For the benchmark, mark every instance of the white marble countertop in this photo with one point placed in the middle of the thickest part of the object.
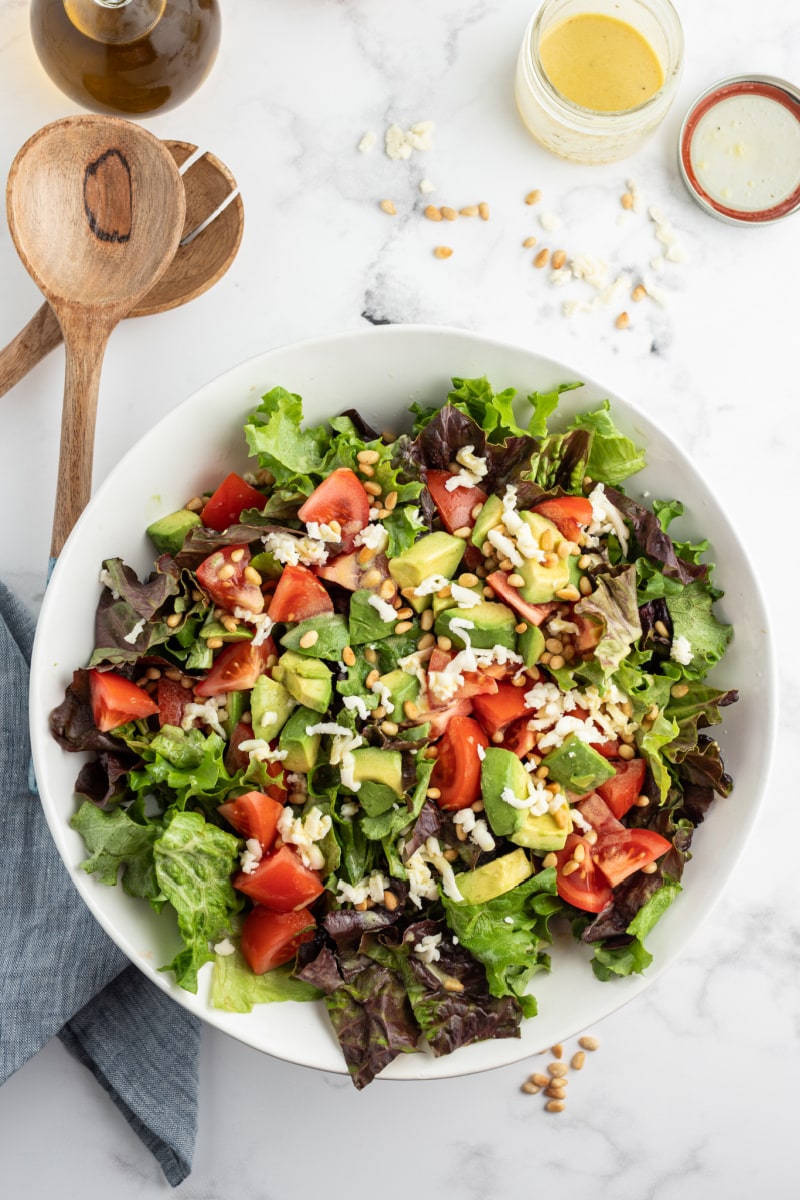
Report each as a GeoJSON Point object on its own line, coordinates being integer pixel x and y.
{"type": "Point", "coordinates": [690, 1092]}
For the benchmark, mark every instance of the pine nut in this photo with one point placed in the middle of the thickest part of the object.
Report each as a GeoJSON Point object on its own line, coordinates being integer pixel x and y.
{"type": "Point", "coordinates": [426, 641]}
{"type": "Point", "coordinates": [370, 457]}
{"type": "Point", "coordinates": [453, 985]}
{"type": "Point", "coordinates": [463, 531]}
{"type": "Point", "coordinates": [622, 321]}
{"type": "Point", "coordinates": [411, 710]}
{"type": "Point", "coordinates": [226, 572]}
{"type": "Point", "coordinates": [195, 504]}
{"type": "Point", "coordinates": [539, 1079]}
{"type": "Point", "coordinates": [541, 258]}
{"type": "Point", "coordinates": [214, 643]}
{"type": "Point", "coordinates": [403, 626]}
{"type": "Point", "coordinates": [557, 1051]}
{"type": "Point", "coordinates": [238, 554]}
{"type": "Point", "coordinates": [533, 197]}
{"type": "Point", "coordinates": [427, 618]}
{"type": "Point", "coordinates": [579, 854]}
{"type": "Point", "coordinates": [626, 200]}
{"type": "Point", "coordinates": [432, 213]}
{"type": "Point", "coordinates": [591, 836]}
{"type": "Point", "coordinates": [638, 293]}
{"type": "Point", "coordinates": [661, 629]}
{"type": "Point", "coordinates": [444, 642]}
{"type": "Point", "coordinates": [467, 579]}
{"type": "Point", "coordinates": [483, 210]}
{"type": "Point", "coordinates": [522, 627]}
{"type": "Point", "coordinates": [390, 728]}
{"type": "Point", "coordinates": [549, 860]}
{"type": "Point", "coordinates": [626, 751]}
{"type": "Point", "coordinates": [388, 206]}
{"type": "Point", "coordinates": [577, 1060]}
{"type": "Point", "coordinates": [404, 613]}
{"type": "Point", "coordinates": [173, 620]}
{"type": "Point", "coordinates": [529, 243]}
{"type": "Point", "coordinates": [448, 213]}
{"type": "Point", "coordinates": [555, 1106]}
{"type": "Point", "coordinates": [372, 578]}
{"type": "Point", "coordinates": [372, 678]}
{"type": "Point", "coordinates": [649, 868]}
{"type": "Point", "coordinates": [152, 673]}
{"type": "Point", "coordinates": [678, 690]}
{"type": "Point", "coordinates": [558, 259]}
{"type": "Point", "coordinates": [570, 867]}
{"type": "Point", "coordinates": [642, 801]}
{"type": "Point", "coordinates": [372, 489]}
{"type": "Point", "coordinates": [531, 1088]}
{"type": "Point", "coordinates": [588, 1042]}
{"type": "Point", "coordinates": [557, 1069]}
{"type": "Point", "coordinates": [349, 656]}
{"type": "Point", "coordinates": [585, 586]}
{"type": "Point", "coordinates": [516, 581]}
{"type": "Point", "coordinates": [388, 589]}
{"type": "Point", "coordinates": [309, 639]}
{"type": "Point", "coordinates": [557, 662]}
{"type": "Point", "coordinates": [366, 470]}
{"type": "Point", "coordinates": [469, 210]}
{"type": "Point", "coordinates": [443, 252]}
{"type": "Point", "coordinates": [173, 673]}
{"type": "Point", "coordinates": [252, 576]}
{"type": "Point", "coordinates": [568, 593]}
{"type": "Point", "coordinates": [390, 901]}
{"type": "Point", "coordinates": [390, 501]}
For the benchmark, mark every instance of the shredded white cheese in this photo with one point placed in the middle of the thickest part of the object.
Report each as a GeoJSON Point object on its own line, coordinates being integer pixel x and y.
{"type": "Point", "coordinates": [107, 581]}
{"type": "Point", "coordinates": [371, 887]}
{"type": "Point", "coordinates": [251, 856]}
{"type": "Point", "coordinates": [304, 833]}
{"type": "Point", "coordinates": [428, 948]}
{"type": "Point", "coordinates": [260, 750]}
{"type": "Point", "coordinates": [224, 947]}
{"type": "Point", "coordinates": [382, 608]}
{"type": "Point", "coordinates": [681, 651]}
{"type": "Point", "coordinates": [374, 537]}
{"type": "Point", "coordinates": [133, 634]}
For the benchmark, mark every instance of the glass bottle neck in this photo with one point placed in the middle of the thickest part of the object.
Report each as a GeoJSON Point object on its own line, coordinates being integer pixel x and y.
{"type": "Point", "coordinates": [114, 21]}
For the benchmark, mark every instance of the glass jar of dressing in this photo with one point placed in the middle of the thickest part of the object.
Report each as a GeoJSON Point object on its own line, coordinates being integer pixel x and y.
{"type": "Point", "coordinates": [126, 56]}
{"type": "Point", "coordinates": [596, 77]}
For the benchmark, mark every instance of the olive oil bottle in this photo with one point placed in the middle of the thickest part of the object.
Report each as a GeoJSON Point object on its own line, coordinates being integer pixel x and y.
{"type": "Point", "coordinates": [126, 56]}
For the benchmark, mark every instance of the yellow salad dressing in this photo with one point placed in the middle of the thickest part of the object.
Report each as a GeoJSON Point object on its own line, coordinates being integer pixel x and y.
{"type": "Point", "coordinates": [600, 63]}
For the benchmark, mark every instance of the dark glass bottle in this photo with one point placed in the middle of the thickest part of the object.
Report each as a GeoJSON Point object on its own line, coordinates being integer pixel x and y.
{"type": "Point", "coordinates": [126, 56]}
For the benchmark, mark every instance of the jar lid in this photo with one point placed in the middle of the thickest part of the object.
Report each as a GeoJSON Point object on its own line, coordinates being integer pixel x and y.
{"type": "Point", "coordinates": [739, 149]}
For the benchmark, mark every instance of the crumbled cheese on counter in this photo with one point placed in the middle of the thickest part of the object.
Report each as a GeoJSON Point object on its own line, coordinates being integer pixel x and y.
{"type": "Point", "coordinates": [261, 751]}
{"type": "Point", "coordinates": [304, 833]}
{"type": "Point", "coordinates": [428, 948]}
{"type": "Point", "coordinates": [426, 187]}
{"type": "Point", "coordinates": [106, 580]}
{"type": "Point", "coordinates": [358, 703]}
{"type": "Point", "coordinates": [399, 143]}
{"type": "Point", "coordinates": [382, 607]}
{"type": "Point", "coordinates": [367, 142]}
{"type": "Point", "coordinates": [550, 221]}
{"type": "Point", "coordinates": [374, 537]}
{"type": "Point", "coordinates": [224, 947]}
{"type": "Point", "coordinates": [133, 634]}
{"type": "Point", "coordinates": [371, 887]}
{"type": "Point", "coordinates": [681, 651]}
{"type": "Point", "coordinates": [209, 713]}
{"type": "Point", "coordinates": [251, 856]}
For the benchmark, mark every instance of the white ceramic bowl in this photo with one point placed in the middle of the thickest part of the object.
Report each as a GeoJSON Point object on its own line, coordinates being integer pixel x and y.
{"type": "Point", "coordinates": [379, 372]}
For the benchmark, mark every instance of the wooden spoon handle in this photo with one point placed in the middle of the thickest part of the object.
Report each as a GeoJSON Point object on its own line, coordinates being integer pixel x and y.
{"type": "Point", "coordinates": [81, 389]}
{"type": "Point", "coordinates": [33, 343]}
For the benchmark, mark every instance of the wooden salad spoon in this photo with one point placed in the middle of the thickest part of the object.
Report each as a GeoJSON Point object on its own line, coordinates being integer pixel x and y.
{"type": "Point", "coordinates": [95, 206]}
{"type": "Point", "coordinates": [210, 240]}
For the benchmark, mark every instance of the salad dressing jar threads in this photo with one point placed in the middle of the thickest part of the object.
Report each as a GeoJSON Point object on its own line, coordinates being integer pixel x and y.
{"type": "Point", "coordinates": [596, 77]}
{"type": "Point", "coordinates": [126, 56]}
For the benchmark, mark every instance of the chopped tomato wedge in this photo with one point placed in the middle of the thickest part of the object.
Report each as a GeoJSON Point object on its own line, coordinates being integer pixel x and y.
{"type": "Point", "coordinates": [568, 513]}
{"type": "Point", "coordinates": [454, 507]}
{"type": "Point", "coordinates": [440, 718]}
{"type": "Point", "coordinates": [228, 502]}
{"type": "Point", "coordinates": [340, 497]}
{"type": "Point", "coordinates": [621, 792]}
{"type": "Point", "coordinates": [497, 711]}
{"type": "Point", "coordinates": [236, 668]}
{"type": "Point", "coordinates": [534, 614]}
{"type": "Point", "coordinates": [594, 809]}
{"type": "Point", "coordinates": [457, 770]}
{"type": "Point", "coordinates": [518, 738]}
{"type": "Point", "coordinates": [585, 886]}
{"type": "Point", "coordinates": [475, 682]}
{"type": "Point", "coordinates": [222, 575]}
{"type": "Point", "coordinates": [618, 855]}
{"type": "Point", "coordinates": [589, 632]}
{"type": "Point", "coordinates": [253, 815]}
{"type": "Point", "coordinates": [349, 573]}
{"type": "Point", "coordinates": [115, 700]}
{"type": "Point", "coordinates": [172, 700]}
{"type": "Point", "coordinates": [298, 595]}
{"type": "Point", "coordinates": [270, 939]}
{"type": "Point", "coordinates": [281, 882]}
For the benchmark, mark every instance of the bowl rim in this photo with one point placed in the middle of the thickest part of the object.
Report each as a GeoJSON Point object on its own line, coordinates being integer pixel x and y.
{"type": "Point", "coordinates": [468, 1060]}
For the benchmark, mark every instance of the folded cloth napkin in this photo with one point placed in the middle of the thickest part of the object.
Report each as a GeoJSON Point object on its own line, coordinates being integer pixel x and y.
{"type": "Point", "coordinates": [60, 973]}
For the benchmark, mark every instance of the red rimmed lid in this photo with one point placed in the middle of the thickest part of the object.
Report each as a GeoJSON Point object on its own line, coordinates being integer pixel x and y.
{"type": "Point", "coordinates": [739, 149]}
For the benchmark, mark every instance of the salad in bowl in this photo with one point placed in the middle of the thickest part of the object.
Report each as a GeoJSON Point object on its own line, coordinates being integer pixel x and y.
{"type": "Point", "coordinates": [395, 722]}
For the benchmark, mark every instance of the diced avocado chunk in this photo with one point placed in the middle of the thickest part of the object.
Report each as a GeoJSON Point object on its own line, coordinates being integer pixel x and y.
{"type": "Point", "coordinates": [308, 680]}
{"type": "Point", "coordinates": [332, 637]}
{"type": "Point", "coordinates": [542, 831]}
{"type": "Point", "coordinates": [379, 766]}
{"type": "Point", "coordinates": [494, 878]}
{"type": "Point", "coordinates": [501, 769]}
{"type": "Point", "coordinates": [216, 629]}
{"type": "Point", "coordinates": [270, 705]}
{"type": "Point", "coordinates": [492, 624]}
{"type": "Point", "coordinates": [401, 687]}
{"type": "Point", "coordinates": [530, 645]}
{"type": "Point", "coordinates": [302, 749]}
{"type": "Point", "coordinates": [576, 766]}
{"type": "Point", "coordinates": [543, 579]}
{"type": "Point", "coordinates": [167, 533]}
{"type": "Point", "coordinates": [435, 554]}
{"type": "Point", "coordinates": [365, 623]}
{"type": "Point", "coordinates": [235, 705]}
{"type": "Point", "coordinates": [490, 516]}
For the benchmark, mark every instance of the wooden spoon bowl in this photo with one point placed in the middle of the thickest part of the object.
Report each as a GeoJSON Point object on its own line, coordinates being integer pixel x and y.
{"type": "Point", "coordinates": [95, 207]}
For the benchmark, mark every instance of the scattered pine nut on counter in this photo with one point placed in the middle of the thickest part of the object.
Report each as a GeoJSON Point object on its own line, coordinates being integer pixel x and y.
{"type": "Point", "coordinates": [554, 1081]}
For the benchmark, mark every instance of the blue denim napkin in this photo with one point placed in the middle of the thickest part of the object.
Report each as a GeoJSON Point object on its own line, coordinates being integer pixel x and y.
{"type": "Point", "coordinates": [60, 973]}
